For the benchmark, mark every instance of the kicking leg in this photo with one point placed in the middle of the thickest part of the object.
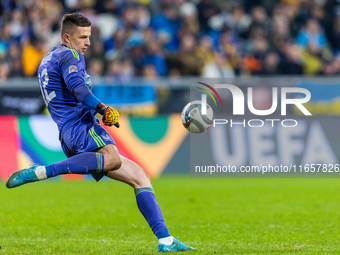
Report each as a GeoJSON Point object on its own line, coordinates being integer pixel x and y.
{"type": "Point", "coordinates": [94, 163]}
{"type": "Point", "coordinates": [84, 163]}
{"type": "Point", "coordinates": [133, 175]}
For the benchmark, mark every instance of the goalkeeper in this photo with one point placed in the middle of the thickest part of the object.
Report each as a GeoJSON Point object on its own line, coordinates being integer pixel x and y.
{"type": "Point", "coordinates": [66, 89]}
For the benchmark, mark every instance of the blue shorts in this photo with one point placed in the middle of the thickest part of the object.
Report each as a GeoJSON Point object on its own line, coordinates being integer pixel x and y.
{"type": "Point", "coordinates": [85, 137]}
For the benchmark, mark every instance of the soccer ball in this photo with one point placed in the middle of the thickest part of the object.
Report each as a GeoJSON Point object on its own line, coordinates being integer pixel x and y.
{"type": "Point", "coordinates": [193, 120]}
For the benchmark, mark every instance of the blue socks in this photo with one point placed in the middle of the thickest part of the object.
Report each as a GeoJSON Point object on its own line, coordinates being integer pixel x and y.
{"type": "Point", "coordinates": [151, 211]}
{"type": "Point", "coordinates": [84, 163]}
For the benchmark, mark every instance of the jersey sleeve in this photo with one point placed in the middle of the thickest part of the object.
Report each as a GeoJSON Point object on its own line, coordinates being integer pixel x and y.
{"type": "Point", "coordinates": [73, 72]}
{"type": "Point", "coordinates": [73, 69]}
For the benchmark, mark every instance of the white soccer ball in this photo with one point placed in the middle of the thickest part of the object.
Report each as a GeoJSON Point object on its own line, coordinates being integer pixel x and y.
{"type": "Point", "coordinates": [193, 119]}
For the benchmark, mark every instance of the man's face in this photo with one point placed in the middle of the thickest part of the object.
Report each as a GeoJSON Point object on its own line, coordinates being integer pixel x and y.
{"type": "Point", "coordinates": [80, 39]}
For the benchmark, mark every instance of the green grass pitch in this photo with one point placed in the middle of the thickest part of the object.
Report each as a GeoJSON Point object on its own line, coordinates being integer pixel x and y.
{"type": "Point", "coordinates": [216, 216]}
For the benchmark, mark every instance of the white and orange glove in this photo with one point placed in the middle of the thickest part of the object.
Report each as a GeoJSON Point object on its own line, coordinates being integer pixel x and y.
{"type": "Point", "coordinates": [110, 115]}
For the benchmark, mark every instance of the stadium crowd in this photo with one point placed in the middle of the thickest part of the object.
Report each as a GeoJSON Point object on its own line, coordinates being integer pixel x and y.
{"type": "Point", "coordinates": [207, 38]}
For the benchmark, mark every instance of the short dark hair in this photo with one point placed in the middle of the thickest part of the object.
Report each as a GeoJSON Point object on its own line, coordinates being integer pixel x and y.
{"type": "Point", "coordinates": [72, 20]}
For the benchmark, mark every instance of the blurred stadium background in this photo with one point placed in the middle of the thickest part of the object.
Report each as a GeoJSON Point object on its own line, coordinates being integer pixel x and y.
{"type": "Point", "coordinates": [142, 56]}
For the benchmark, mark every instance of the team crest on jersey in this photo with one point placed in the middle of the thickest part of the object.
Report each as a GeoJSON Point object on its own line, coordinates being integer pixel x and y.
{"type": "Point", "coordinates": [106, 137]}
{"type": "Point", "coordinates": [72, 69]}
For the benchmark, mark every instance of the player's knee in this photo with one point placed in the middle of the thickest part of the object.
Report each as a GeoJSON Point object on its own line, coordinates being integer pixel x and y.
{"type": "Point", "coordinates": [117, 164]}
{"type": "Point", "coordinates": [141, 179]}
{"type": "Point", "coordinates": [112, 163]}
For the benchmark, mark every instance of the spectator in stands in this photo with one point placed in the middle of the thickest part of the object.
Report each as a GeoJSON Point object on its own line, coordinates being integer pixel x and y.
{"type": "Point", "coordinates": [205, 49]}
{"type": "Point", "coordinates": [313, 58]}
{"type": "Point", "coordinates": [96, 68]}
{"type": "Point", "coordinates": [318, 13]}
{"type": "Point", "coordinates": [137, 55]}
{"type": "Point", "coordinates": [230, 45]}
{"type": "Point", "coordinates": [129, 19]}
{"type": "Point", "coordinates": [115, 46]}
{"type": "Point", "coordinates": [240, 21]}
{"type": "Point", "coordinates": [248, 34]}
{"type": "Point", "coordinates": [96, 50]}
{"type": "Point", "coordinates": [33, 53]}
{"type": "Point", "coordinates": [206, 10]}
{"type": "Point", "coordinates": [16, 68]}
{"type": "Point", "coordinates": [271, 64]}
{"type": "Point", "coordinates": [126, 71]}
{"type": "Point", "coordinates": [260, 20]}
{"type": "Point", "coordinates": [46, 33]}
{"type": "Point", "coordinates": [149, 35]}
{"type": "Point", "coordinates": [150, 72]}
{"type": "Point", "coordinates": [144, 17]}
{"type": "Point", "coordinates": [17, 24]}
{"type": "Point", "coordinates": [14, 51]}
{"type": "Point", "coordinates": [155, 57]}
{"type": "Point", "coordinates": [258, 47]}
{"type": "Point", "coordinates": [312, 34]}
{"type": "Point", "coordinates": [5, 39]}
{"type": "Point", "coordinates": [190, 23]}
{"type": "Point", "coordinates": [219, 68]}
{"type": "Point", "coordinates": [166, 24]}
{"type": "Point", "coordinates": [187, 62]}
{"type": "Point", "coordinates": [292, 65]}
{"type": "Point", "coordinates": [113, 69]}
{"type": "Point", "coordinates": [174, 73]}
{"type": "Point", "coordinates": [335, 38]}
{"type": "Point", "coordinates": [280, 30]}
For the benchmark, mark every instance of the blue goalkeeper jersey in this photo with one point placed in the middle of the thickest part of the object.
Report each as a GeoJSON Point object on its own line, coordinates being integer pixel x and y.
{"type": "Point", "coordinates": [57, 74]}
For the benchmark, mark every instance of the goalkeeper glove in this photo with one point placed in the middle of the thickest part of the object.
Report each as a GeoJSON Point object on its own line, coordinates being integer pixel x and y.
{"type": "Point", "coordinates": [110, 115]}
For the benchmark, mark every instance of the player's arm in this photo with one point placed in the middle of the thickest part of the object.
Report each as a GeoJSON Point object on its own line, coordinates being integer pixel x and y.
{"type": "Point", "coordinates": [71, 69]}
{"type": "Point", "coordinates": [83, 94]}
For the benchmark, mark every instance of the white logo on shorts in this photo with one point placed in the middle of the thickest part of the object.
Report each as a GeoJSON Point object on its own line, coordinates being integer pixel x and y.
{"type": "Point", "coordinates": [106, 137]}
